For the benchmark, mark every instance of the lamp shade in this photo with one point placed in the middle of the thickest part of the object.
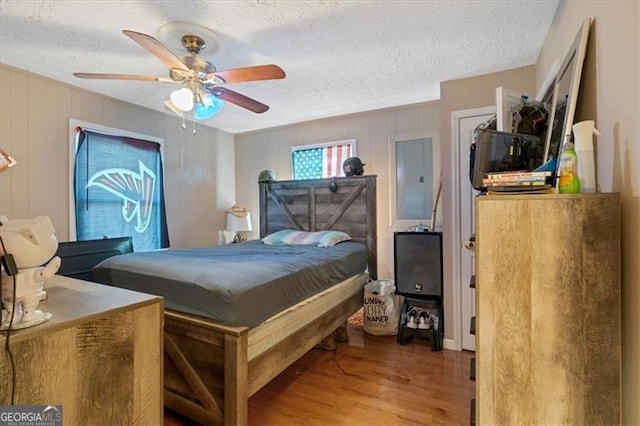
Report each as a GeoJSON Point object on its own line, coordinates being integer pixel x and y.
{"type": "Point", "coordinates": [209, 107]}
{"type": "Point", "coordinates": [182, 99]}
{"type": "Point", "coordinates": [236, 222]}
{"type": "Point", "coordinates": [173, 108]}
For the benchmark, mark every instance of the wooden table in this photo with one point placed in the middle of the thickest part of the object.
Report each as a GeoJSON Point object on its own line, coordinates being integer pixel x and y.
{"type": "Point", "coordinates": [100, 356]}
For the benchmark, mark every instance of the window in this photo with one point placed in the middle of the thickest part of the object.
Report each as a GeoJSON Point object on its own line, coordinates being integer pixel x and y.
{"type": "Point", "coordinates": [320, 161]}
{"type": "Point", "coordinates": [118, 189]}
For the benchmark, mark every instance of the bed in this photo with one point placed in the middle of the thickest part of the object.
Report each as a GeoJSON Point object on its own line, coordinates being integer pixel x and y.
{"type": "Point", "coordinates": [213, 364]}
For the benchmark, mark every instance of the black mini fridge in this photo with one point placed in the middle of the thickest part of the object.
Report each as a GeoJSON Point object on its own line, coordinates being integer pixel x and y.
{"type": "Point", "coordinates": [419, 278]}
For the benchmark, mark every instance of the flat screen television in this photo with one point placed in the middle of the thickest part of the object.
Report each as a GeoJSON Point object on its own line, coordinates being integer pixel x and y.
{"type": "Point", "coordinates": [504, 152]}
{"type": "Point", "coordinates": [79, 257]}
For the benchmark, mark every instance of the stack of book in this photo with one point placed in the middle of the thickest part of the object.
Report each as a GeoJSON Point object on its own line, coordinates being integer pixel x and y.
{"type": "Point", "coordinates": [518, 181]}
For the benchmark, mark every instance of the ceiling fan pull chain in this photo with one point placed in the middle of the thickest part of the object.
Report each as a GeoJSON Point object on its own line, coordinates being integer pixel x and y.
{"type": "Point", "coordinates": [194, 121]}
{"type": "Point", "coordinates": [184, 124]}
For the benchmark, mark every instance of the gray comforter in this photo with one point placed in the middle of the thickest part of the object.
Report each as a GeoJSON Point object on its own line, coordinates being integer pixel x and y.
{"type": "Point", "coordinates": [239, 284]}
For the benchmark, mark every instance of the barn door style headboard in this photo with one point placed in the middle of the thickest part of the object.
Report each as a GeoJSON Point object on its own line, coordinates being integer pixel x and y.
{"type": "Point", "coordinates": [345, 204]}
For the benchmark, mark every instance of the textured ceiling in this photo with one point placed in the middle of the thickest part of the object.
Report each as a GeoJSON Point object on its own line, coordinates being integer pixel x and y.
{"type": "Point", "coordinates": [340, 57]}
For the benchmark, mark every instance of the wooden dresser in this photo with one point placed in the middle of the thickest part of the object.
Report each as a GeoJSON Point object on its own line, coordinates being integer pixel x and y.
{"type": "Point", "coordinates": [548, 330]}
{"type": "Point", "coordinates": [100, 356]}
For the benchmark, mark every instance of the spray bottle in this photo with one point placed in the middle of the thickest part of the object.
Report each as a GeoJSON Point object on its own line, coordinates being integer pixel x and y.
{"type": "Point", "coordinates": [583, 133]}
{"type": "Point", "coordinates": [569, 182]}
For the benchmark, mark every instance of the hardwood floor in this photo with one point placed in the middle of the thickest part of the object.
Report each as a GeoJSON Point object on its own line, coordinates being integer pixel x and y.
{"type": "Point", "coordinates": [370, 380]}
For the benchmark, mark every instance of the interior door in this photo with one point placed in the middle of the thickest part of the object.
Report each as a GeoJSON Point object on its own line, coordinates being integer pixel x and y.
{"type": "Point", "coordinates": [466, 125]}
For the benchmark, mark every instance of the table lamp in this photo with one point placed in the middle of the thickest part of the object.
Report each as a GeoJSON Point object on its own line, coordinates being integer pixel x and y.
{"type": "Point", "coordinates": [238, 221]}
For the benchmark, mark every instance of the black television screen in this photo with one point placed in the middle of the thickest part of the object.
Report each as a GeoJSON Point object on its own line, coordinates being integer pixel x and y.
{"type": "Point", "coordinates": [503, 152]}
{"type": "Point", "coordinates": [79, 257]}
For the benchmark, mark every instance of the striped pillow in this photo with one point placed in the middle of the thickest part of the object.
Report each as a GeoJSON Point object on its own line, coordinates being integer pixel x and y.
{"type": "Point", "coordinates": [293, 237]}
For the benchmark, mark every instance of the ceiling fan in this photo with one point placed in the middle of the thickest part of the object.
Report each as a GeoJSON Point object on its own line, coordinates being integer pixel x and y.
{"type": "Point", "coordinates": [202, 83]}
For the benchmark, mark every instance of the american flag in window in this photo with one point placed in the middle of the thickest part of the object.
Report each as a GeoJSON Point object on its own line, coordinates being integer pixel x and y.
{"type": "Point", "coordinates": [321, 161]}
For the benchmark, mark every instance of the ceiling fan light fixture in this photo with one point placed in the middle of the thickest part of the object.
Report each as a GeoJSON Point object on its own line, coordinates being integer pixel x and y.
{"type": "Point", "coordinates": [173, 108]}
{"type": "Point", "coordinates": [201, 91]}
{"type": "Point", "coordinates": [209, 107]}
{"type": "Point", "coordinates": [182, 99]}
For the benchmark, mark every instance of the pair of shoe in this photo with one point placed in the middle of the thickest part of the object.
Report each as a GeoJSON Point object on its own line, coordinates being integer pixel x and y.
{"type": "Point", "coordinates": [412, 322]}
{"type": "Point", "coordinates": [412, 317]}
{"type": "Point", "coordinates": [420, 319]}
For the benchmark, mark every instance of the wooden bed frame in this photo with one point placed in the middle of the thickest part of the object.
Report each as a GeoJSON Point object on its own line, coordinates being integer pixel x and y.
{"type": "Point", "coordinates": [211, 369]}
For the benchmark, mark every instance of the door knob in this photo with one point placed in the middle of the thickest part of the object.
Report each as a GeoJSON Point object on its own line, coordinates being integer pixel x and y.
{"type": "Point", "coordinates": [470, 244]}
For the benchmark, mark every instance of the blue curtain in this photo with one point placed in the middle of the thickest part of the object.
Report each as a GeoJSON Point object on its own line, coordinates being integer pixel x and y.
{"type": "Point", "coordinates": [118, 190]}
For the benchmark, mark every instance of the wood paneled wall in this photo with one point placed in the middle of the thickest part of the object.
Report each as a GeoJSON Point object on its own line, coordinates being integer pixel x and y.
{"type": "Point", "coordinates": [271, 149]}
{"type": "Point", "coordinates": [34, 129]}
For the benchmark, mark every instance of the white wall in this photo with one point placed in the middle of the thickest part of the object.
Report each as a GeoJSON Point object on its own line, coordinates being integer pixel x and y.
{"type": "Point", "coordinates": [271, 149]}
{"type": "Point", "coordinates": [611, 92]}
{"type": "Point", "coordinates": [34, 129]}
{"type": "Point", "coordinates": [458, 95]}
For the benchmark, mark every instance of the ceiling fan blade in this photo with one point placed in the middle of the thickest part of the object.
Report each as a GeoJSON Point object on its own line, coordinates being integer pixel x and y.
{"type": "Point", "coordinates": [136, 77]}
{"type": "Point", "coordinates": [157, 49]}
{"type": "Point", "coordinates": [238, 99]}
{"type": "Point", "coordinates": [260, 72]}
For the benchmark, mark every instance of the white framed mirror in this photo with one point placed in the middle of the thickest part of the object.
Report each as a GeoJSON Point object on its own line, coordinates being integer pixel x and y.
{"type": "Point", "coordinates": [563, 94]}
